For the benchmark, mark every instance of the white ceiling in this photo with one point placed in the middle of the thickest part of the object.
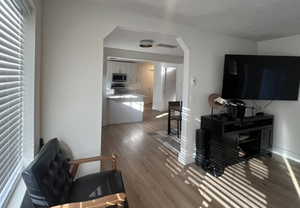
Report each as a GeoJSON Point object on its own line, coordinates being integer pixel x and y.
{"type": "Point", "coordinates": [129, 40]}
{"type": "Point", "coordinates": [252, 19]}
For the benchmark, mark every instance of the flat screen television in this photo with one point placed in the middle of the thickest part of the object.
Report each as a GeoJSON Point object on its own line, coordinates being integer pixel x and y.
{"type": "Point", "coordinates": [261, 77]}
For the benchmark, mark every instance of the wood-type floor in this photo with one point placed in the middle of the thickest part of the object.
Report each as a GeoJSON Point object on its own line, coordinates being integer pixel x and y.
{"type": "Point", "coordinates": [154, 179]}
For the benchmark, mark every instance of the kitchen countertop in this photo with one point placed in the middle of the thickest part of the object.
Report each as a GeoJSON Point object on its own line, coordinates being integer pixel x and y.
{"type": "Point", "coordinates": [125, 108]}
{"type": "Point", "coordinates": [118, 96]}
{"type": "Point", "coordinates": [130, 97]}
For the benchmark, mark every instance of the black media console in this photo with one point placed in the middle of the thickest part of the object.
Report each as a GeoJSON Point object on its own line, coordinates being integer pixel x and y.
{"type": "Point", "coordinates": [222, 141]}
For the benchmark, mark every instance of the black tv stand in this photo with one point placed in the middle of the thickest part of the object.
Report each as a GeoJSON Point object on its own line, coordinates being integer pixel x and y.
{"type": "Point", "coordinates": [223, 141]}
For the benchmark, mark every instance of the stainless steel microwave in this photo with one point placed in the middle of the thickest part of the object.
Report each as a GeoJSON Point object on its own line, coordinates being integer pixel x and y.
{"type": "Point", "coordinates": [119, 77]}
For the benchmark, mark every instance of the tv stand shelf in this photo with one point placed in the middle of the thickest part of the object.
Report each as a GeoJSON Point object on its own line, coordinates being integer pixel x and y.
{"type": "Point", "coordinates": [222, 141]}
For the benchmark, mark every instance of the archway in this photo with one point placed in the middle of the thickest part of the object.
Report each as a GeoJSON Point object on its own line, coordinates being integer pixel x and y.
{"type": "Point", "coordinates": [186, 150]}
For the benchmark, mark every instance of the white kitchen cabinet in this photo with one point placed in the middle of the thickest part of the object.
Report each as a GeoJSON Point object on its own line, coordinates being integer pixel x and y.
{"type": "Point", "coordinates": [132, 73]}
{"type": "Point", "coordinates": [122, 67]}
{"type": "Point", "coordinates": [125, 109]}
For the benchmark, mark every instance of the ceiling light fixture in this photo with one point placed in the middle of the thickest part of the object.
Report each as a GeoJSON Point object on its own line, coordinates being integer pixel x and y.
{"type": "Point", "coordinates": [146, 43]}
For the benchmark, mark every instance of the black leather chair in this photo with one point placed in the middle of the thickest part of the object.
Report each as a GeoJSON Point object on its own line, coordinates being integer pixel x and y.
{"type": "Point", "coordinates": [50, 181]}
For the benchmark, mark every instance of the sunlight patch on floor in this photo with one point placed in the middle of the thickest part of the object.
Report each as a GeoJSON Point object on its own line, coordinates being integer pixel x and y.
{"type": "Point", "coordinates": [292, 175]}
{"type": "Point", "coordinates": [233, 189]}
{"type": "Point", "coordinates": [162, 115]}
{"type": "Point", "coordinates": [137, 105]}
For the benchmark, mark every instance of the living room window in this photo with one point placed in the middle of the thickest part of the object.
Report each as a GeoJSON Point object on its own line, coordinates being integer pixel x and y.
{"type": "Point", "coordinates": [11, 94]}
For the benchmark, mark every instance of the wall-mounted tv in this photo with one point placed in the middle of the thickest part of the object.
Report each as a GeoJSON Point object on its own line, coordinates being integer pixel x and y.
{"type": "Point", "coordinates": [261, 77]}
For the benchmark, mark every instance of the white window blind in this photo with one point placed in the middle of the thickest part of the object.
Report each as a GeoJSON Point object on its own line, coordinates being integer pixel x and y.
{"type": "Point", "coordinates": [11, 96]}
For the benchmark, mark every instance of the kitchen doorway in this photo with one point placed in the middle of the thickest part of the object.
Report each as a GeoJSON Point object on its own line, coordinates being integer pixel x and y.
{"type": "Point", "coordinates": [153, 77]}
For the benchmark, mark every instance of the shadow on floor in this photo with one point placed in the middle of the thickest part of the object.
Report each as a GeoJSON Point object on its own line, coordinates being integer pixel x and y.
{"type": "Point", "coordinates": [258, 183]}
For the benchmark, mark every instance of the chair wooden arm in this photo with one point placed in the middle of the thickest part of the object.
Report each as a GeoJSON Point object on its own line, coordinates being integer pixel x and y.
{"type": "Point", "coordinates": [75, 163]}
{"type": "Point", "coordinates": [110, 200]}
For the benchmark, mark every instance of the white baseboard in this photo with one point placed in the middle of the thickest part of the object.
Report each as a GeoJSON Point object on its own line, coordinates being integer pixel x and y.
{"type": "Point", "coordinates": [185, 159]}
{"type": "Point", "coordinates": [286, 153]}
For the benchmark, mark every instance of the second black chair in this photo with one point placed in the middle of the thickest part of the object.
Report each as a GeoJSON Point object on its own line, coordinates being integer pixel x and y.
{"type": "Point", "coordinates": [175, 114]}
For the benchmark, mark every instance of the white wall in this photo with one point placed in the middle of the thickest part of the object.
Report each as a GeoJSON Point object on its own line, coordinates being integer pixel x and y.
{"type": "Point", "coordinates": [73, 63]}
{"type": "Point", "coordinates": [166, 85]}
{"type": "Point", "coordinates": [170, 77]}
{"type": "Point", "coordinates": [157, 88]}
{"type": "Point", "coordinates": [71, 77]}
{"type": "Point", "coordinates": [145, 78]}
{"type": "Point", "coordinates": [206, 69]}
{"type": "Point", "coordinates": [287, 113]}
{"type": "Point", "coordinates": [179, 81]}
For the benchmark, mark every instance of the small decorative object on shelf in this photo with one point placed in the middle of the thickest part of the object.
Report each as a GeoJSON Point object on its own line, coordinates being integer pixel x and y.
{"type": "Point", "coordinates": [216, 102]}
{"type": "Point", "coordinates": [235, 108]}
